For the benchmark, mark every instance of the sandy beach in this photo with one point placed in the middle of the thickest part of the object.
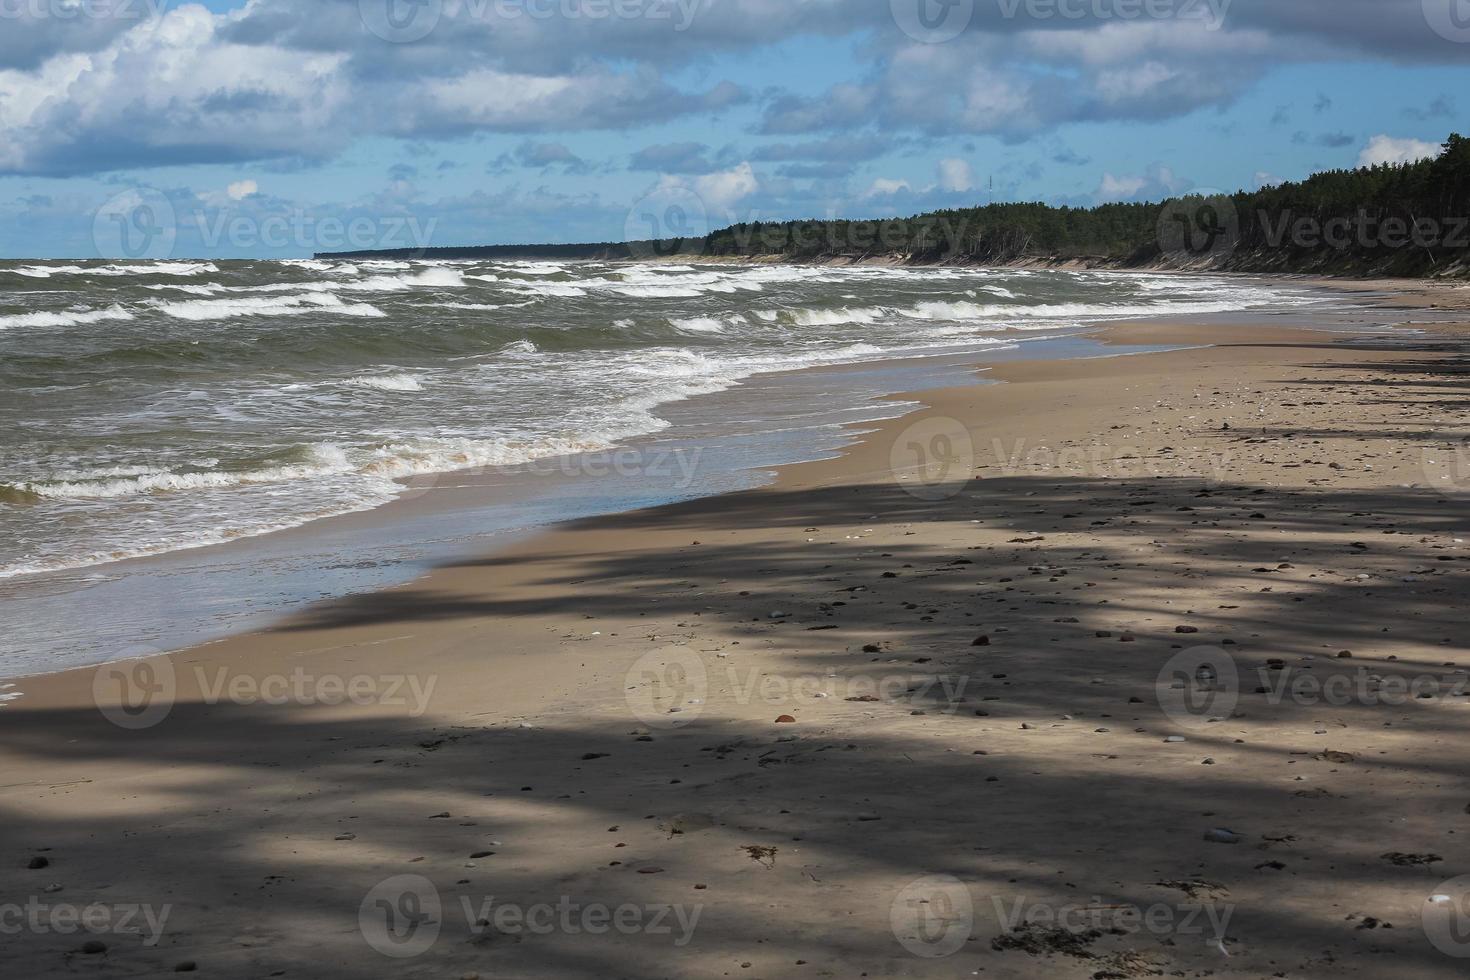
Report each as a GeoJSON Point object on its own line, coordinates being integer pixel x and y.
{"type": "Point", "coordinates": [1141, 666]}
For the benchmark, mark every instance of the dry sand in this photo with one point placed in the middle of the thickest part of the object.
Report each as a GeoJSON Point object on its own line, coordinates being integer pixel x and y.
{"type": "Point", "coordinates": [1270, 503]}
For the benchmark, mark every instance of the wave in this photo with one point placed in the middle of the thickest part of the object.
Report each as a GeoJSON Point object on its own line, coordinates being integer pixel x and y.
{"type": "Point", "coordinates": [827, 318]}
{"type": "Point", "coordinates": [698, 324]}
{"type": "Point", "coordinates": [69, 318]}
{"type": "Point", "coordinates": [389, 382]}
{"type": "Point", "coordinates": [324, 459]}
{"type": "Point", "coordinates": [224, 309]}
{"type": "Point", "coordinates": [151, 269]}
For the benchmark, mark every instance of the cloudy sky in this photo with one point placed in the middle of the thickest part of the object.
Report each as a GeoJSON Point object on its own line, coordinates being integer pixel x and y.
{"type": "Point", "coordinates": [282, 127]}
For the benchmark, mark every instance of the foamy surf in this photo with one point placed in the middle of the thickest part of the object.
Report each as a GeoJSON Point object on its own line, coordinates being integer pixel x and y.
{"type": "Point", "coordinates": [227, 400]}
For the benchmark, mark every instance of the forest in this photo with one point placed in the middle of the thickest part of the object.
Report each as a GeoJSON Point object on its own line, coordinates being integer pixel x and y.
{"type": "Point", "coordinates": [1409, 219]}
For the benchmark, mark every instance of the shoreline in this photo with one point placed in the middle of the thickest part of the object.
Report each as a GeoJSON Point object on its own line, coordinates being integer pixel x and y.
{"type": "Point", "coordinates": [256, 580]}
{"type": "Point", "coordinates": [1106, 498]}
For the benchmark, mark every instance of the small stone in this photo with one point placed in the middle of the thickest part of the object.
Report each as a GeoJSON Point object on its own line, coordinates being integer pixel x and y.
{"type": "Point", "coordinates": [94, 946]}
{"type": "Point", "coordinates": [1222, 836]}
{"type": "Point", "coordinates": [37, 863]}
{"type": "Point", "coordinates": [785, 720]}
{"type": "Point", "coordinates": [981, 641]}
{"type": "Point", "coordinates": [187, 966]}
{"type": "Point", "coordinates": [1186, 629]}
{"type": "Point", "coordinates": [1175, 739]}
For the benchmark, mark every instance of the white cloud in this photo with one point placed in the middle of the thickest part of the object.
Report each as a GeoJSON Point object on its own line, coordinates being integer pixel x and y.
{"type": "Point", "coordinates": [725, 189]}
{"type": "Point", "coordinates": [242, 189]}
{"type": "Point", "coordinates": [886, 187]}
{"type": "Point", "coordinates": [1386, 149]}
{"type": "Point", "coordinates": [956, 175]}
{"type": "Point", "coordinates": [1156, 184]}
{"type": "Point", "coordinates": [1114, 188]}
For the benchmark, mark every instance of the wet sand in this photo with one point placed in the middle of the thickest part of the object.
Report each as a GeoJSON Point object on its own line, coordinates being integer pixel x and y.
{"type": "Point", "coordinates": [898, 714]}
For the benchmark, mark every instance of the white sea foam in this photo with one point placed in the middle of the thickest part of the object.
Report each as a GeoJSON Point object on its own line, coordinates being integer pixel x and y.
{"type": "Point", "coordinates": [698, 324]}
{"type": "Point", "coordinates": [325, 459]}
{"type": "Point", "coordinates": [223, 309]}
{"type": "Point", "coordinates": [149, 269]}
{"type": "Point", "coordinates": [389, 382]}
{"type": "Point", "coordinates": [66, 318]}
{"type": "Point", "coordinates": [827, 318]}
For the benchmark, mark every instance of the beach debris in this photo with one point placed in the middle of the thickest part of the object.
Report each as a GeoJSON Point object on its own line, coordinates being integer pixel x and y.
{"type": "Point", "coordinates": [761, 854]}
{"type": "Point", "coordinates": [1402, 860]}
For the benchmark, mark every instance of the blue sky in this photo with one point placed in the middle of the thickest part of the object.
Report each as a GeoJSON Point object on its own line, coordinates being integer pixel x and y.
{"type": "Point", "coordinates": [278, 128]}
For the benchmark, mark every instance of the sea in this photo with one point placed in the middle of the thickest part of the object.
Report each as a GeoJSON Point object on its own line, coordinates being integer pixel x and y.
{"type": "Point", "coordinates": [176, 409]}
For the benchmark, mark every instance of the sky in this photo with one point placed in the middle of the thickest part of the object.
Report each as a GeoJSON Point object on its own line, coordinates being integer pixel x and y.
{"type": "Point", "coordinates": [279, 128]}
